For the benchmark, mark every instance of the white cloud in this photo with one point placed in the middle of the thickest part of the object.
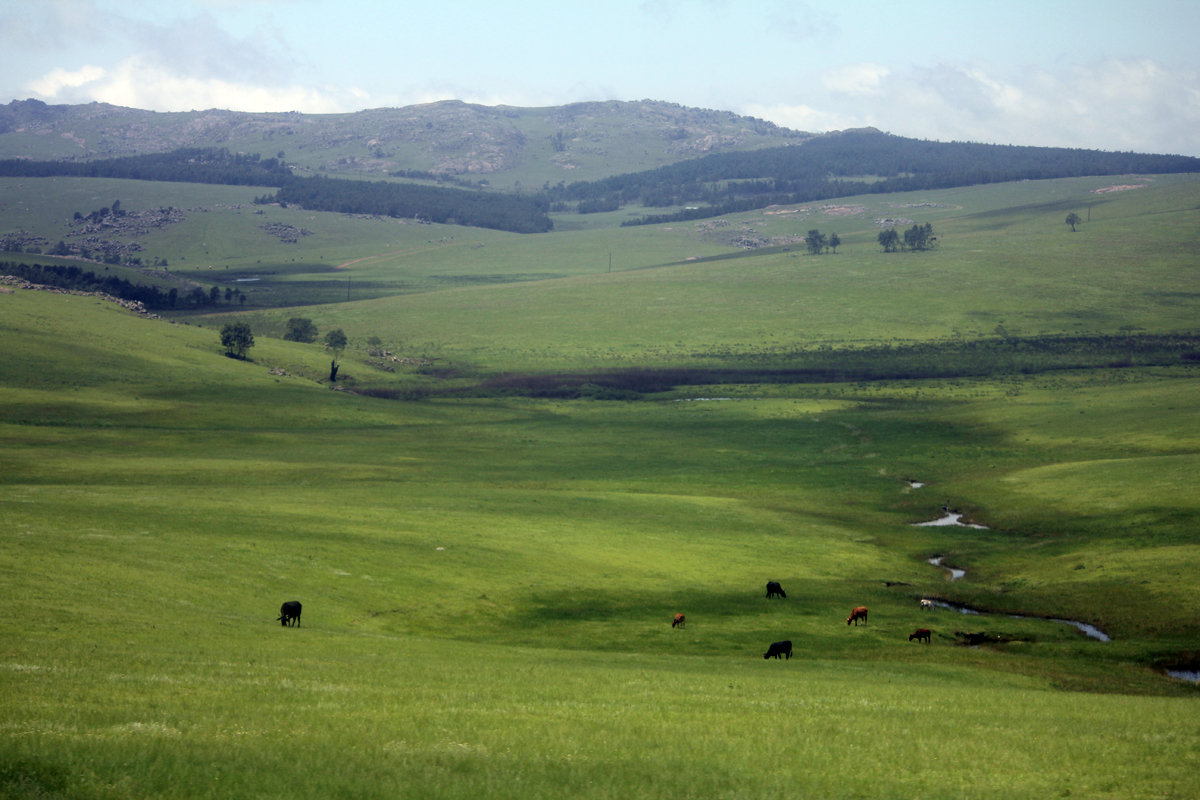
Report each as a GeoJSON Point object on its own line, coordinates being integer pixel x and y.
{"type": "Point", "coordinates": [1113, 104]}
{"type": "Point", "coordinates": [802, 117]}
{"type": "Point", "coordinates": [862, 78]}
{"type": "Point", "coordinates": [136, 84]}
{"type": "Point", "coordinates": [56, 80]}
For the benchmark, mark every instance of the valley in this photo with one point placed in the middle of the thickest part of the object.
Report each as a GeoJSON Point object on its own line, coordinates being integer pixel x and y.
{"type": "Point", "coordinates": [542, 447]}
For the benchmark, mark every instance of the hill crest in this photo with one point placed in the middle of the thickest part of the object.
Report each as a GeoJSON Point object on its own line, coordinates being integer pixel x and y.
{"type": "Point", "coordinates": [571, 142]}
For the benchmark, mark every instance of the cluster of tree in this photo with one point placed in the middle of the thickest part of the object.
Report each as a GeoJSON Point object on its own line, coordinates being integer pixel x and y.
{"type": "Point", "coordinates": [185, 165]}
{"type": "Point", "coordinates": [505, 212]}
{"type": "Point", "coordinates": [818, 243]}
{"type": "Point", "coordinates": [918, 237]}
{"type": "Point", "coordinates": [599, 204]}
{"type": "Point", "coordinates": [820, 168]}
{"type": "Point", "coordinates": [300, 329]}
{"type": "Point", "coordinates": [237, 338]}
{"type": "Point", "coordinates": [437, 177]}
{"type": "Point", "coordinates": [99, 214]}
{"type": "Point", "coordinates": [109, 256]}
{"type": "Point", "coordinates": [153, 297]}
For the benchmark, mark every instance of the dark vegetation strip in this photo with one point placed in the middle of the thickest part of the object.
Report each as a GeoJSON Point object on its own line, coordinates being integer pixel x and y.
{"type": "Point", "coordinates": [494, 210]}
{"type": "Point", "coordinates": [814, 171]}
{"type": "Point", "coordinates": [504, 212]}
{"type": "Point", "coordinates": [75, 278]}
{"type": "Point", "coordinates": [923, 361]}
{"type": "Point", "coordinates": [185, 165]}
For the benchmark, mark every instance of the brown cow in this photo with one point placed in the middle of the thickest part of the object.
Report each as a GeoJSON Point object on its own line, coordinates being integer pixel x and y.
{"type": "Point", "coordinates": [856, 615]}
{"type": "Point", "coordinates": [679, 620]}
{"type": "Point", "coordinates": [921, 635]}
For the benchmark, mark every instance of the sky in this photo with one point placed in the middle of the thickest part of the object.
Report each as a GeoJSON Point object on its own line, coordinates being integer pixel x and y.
{"type": "Point", "coordinates": [1097, 74]}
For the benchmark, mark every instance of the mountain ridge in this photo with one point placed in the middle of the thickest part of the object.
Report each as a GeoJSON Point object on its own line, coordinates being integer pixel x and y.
{"type": "Point", "coordinates": [584, 140]}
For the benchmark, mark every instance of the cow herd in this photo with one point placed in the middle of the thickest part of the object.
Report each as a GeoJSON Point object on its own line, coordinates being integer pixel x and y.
{"type": "Point", "coordinates": [289, 615]}
{"type": "Point", "coordinates": [859, 614]}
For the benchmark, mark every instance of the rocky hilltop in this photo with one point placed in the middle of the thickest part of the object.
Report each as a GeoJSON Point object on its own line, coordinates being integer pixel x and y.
{"type": "Point", "coordinates": [581, 141]}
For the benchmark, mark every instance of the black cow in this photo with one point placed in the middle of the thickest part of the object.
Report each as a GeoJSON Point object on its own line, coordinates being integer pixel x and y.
{"type": "Point", "coordinates": [779, 649]}
{"type": "Point", "coordinates": [290, 611]}
{"type": "Point", "coordinates": [774, 588]}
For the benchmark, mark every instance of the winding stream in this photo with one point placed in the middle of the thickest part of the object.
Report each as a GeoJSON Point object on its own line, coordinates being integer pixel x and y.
{"type": "Point", "coordinates": [1090, 630]}
{"type": "Point", "coordinates": [955, 574]}
{"type": "Point", "coordinates": [951, 518]}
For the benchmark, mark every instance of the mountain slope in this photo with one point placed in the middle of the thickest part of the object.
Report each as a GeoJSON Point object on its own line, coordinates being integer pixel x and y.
{"type": "Point", "coordinates": [504, 143]}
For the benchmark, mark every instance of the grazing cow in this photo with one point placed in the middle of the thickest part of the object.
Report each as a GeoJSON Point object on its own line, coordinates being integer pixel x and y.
{"type": "Point", "coordinates": [679, 620]}
{"type": "Point", "coordinates": [778, 649]}
{"type": "Point", "coordinates": [921, 635]}
{"type": "Point", "coordinates": [290, 611]}
{"type": "Point", "coordinates": [856, 615]}
{"type": "Point", "coordinates": [774, 588]}
{"type": "Point", "coordinates": [926, 605]}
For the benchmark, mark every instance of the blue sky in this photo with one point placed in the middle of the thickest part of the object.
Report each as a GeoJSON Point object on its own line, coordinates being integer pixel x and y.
{"type": "Point", "coordinates": [1096, 74]}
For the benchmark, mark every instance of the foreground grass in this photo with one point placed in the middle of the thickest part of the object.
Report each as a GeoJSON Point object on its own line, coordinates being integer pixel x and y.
{"type": "Point", "coordinates": [204, 706]}
{"type": "Point", "coordinates": [488, 583]}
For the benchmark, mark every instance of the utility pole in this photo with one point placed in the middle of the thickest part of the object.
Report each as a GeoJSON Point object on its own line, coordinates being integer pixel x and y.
{"type": "Point", "coordinates": [610, 262]}
{"type": "Point", "coordinates": [347, 288]}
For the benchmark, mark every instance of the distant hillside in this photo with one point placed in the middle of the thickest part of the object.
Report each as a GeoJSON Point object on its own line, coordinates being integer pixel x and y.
{"type": "Point", "coordinates": [504, 145]}
{"type": "Point", "coordinates": [846, 163]}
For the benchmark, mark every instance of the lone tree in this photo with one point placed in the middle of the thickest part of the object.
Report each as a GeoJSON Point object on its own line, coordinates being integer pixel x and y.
{"type": "Point", "coordinates": [335, 340]}
{"type": "Point", "coordinates": [236, 338]}
{"type": "Point", "coordinates": [834, 241]}
{"type": "Point", "coordinates": [815, 242]}
{"type": "Point", "coordinates": [1073, 220]}
{"type": "Point", "coordinates": [300, 329]}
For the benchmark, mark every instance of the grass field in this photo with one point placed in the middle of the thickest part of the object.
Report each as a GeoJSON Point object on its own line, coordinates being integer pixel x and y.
{"type": "Point", "coordinates": [488, 581]}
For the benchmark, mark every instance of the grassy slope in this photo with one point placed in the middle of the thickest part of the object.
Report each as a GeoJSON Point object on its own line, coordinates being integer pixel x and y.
{"type": "Point", "coordinates": [161, 500]}
{"type": "Point", "coordinates": [1020, 271]}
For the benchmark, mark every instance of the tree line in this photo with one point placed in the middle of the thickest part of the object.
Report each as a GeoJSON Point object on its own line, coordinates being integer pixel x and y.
{"type": "Point", "coordinates": [74, 278]}
{"type": "Point", "coordinates": [823, 168]}
{"type": "Point", "coordinates": [505, 212]}
{"type": "Point", "coordinates": [212, 165]}
{"type": "Point", "coordinates": [185, 165]}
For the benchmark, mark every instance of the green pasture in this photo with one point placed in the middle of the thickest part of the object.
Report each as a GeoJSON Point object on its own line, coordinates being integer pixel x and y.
{"type": "Point", "coordinates": [488, 582]}
{"type": "Point", "coordinates": [548, 302]}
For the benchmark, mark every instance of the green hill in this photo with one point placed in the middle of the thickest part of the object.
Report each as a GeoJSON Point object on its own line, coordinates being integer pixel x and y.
{"type": "Point", "coordinates": [489, 577]}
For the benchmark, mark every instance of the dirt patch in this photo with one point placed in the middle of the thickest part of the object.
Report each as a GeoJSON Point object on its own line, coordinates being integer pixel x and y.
{"type": "Point", "coordinates": [843, 211]}
{"type": "Point", "coordinates": [1122, 188]}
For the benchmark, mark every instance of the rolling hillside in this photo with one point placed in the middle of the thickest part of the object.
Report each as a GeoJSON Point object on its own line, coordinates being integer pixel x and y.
{"type": "Point", "coordinates": [540, 448]}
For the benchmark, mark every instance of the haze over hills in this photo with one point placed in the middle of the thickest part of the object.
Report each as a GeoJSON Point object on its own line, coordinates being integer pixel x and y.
{"type": "Point", "coordinates": [686, 164]}
{"type": "Point", "coordinates": [502, 144]}
{"type": "Point", "coordinates": [540, 448]}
